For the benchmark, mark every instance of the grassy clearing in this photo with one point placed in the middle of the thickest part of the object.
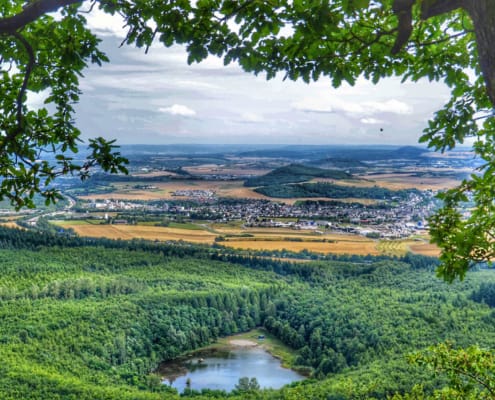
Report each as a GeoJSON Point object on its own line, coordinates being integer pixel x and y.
{"type": "Point", "coordinates": [270, 343]}
{"type": "Point", "coordinates": [76, 222]}
{"type": "Point", "coordinates": [186, 225]}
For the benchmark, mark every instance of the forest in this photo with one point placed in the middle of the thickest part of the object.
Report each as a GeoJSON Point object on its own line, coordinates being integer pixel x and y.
{"type": "Point", "coordinates": [330, 190]}
{"type": "Point", "coordinates": [92, 319]}
{"type": "Point", "coordinates": [294, 173]}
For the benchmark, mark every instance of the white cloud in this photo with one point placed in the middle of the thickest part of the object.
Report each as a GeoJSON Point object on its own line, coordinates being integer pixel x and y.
{"type": "Point", "coordinates": [351, 108]}
{"type": "Point", "coordinates": [391, 106]}
{"type": "Point", "coordinates": [162, 90]}
{"type": "Point", "coordinates": [312, 105]}
{"type": "Point", "coordinates": [372, 121]}
{"type": "Point", "coordinates": [105, 24]}
{"type": "Point", "coordinates": [178, 109]}
{"type": "Point", "coordinates": [36, 100]}
{"type": "Point", "coordinates": [251, 117]}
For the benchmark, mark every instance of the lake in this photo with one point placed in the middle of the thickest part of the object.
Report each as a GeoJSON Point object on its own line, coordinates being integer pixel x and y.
{"type": "Point", "coordinates": [222, 370]}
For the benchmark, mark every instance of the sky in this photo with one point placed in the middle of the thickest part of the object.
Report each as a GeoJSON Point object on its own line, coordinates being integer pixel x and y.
{"type": "Point", "coordinates": [156, 98]}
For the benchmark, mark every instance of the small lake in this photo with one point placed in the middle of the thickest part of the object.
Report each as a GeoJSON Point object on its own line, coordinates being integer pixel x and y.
{"type": "Point", "coordinates": [222, 370]}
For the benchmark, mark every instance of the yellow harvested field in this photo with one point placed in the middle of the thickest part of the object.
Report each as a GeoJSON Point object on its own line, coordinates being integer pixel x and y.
{"type": "Point", "coordinates": [401, 247]}
{"type": "Point", "coordinates": [10, 224]}
{"type": "Point", "coordinates": [426, 249]}
{"type": "Point", "coordinates": [396, 182]}
{"type": "Point", "coordinates": [405, 181]}
{"type": "Point", "coordinates": [339, 247]}
{"type": "Point", "coordinates": [142, 232]}
{"type": "Point", "coordinates": [392, 247]}
{"type": "Point", "coordinates": [334, 244]}
{"type": "Point", "coordinates": [165, 189]}
{"type": "Point", "coordinates": [263, 239]}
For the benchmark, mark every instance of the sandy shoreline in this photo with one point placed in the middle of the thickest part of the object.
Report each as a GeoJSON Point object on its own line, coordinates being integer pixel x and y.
{"type": "Point", "coordinates": [242, 343]}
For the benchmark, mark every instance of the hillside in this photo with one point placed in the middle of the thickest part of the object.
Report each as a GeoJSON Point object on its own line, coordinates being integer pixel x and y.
{"type": "Point", "coordinates": [323, 189]}
{"type": "Point", "coordinates": [295, 173]}
{"type": "Point", "coordinates": [338, 162]}
{"type": "Point", "coordinates": [88, 319]}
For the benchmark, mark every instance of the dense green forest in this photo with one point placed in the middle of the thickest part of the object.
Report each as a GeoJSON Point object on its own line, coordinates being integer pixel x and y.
{"type": "Point", "coordinates": [323, 189]}
{"type": "Point", "coordinates": [91, 319]}
{"type": "Point", "coordinates": [294, 173]}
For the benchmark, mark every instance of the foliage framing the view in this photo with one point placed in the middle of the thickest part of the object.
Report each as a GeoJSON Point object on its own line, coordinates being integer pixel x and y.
{"type": "Point", "coordinates": [438, 40]}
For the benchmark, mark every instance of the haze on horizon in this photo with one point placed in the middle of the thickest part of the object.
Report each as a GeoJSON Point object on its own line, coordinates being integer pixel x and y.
{"type": "Point", "coordinates": [156, 98]}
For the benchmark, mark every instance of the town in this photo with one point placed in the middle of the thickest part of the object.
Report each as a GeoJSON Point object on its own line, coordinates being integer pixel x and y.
{"type": "Point", "coordinates": [385, 219]}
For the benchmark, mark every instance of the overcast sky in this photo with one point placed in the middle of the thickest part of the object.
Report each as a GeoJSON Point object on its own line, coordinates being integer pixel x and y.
{"type": "Point", "coordinates": [158, 98]}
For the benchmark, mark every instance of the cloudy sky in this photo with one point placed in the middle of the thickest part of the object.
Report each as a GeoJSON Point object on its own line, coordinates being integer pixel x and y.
{"type": "Point", "coordinates": [158, 98]}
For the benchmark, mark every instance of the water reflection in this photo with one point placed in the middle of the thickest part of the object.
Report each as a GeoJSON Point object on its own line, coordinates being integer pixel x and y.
{"type": "Point", "coordinates": [222, 370]}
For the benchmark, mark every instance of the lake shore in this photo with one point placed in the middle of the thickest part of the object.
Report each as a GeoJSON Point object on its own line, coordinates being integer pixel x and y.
{"type": "Point", "coordinates": [243, 343]}
{"type": "Point", "coordinates": [257, 337]}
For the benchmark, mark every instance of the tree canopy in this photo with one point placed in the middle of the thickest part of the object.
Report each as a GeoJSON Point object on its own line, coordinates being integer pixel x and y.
{"type": "Point", "coordinates": [440, 40]}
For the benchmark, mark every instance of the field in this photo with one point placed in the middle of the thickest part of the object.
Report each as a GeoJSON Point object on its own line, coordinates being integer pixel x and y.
{"type": "Point", "coordinates": [253, 238]}
{"type": "Point", "coordinates": [165, 189]}
{"type": "Point", "coordinates": [400, 247]}
{"type": "Point", "coordinates": [236, 189]}
{"type": "Point", "coordinates": [403, 181]}
{"type": "Point", "coordinates": [138, 232]}
{"type": "Point", "coordinates": [337, 247]}
{"type": "Point", "coordinates": [397, 182]}
{"type": "Point", "coordinates": [9, 224]}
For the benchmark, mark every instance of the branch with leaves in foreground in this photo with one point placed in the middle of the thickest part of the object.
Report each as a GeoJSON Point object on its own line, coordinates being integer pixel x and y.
{"type": "Point", "coordinates": [470, 373]}
{"type": "Point", "coordinates": [41, 54]}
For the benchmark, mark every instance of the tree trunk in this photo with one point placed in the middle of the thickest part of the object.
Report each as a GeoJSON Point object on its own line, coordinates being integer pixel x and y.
{"type": "Point", "coordinates": [482, 12]}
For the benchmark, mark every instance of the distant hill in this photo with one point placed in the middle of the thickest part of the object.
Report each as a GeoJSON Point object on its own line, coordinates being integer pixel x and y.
{"type": "Point", "coordinates": [359, 153]}
{"type": "Point", "coordinates": [409, 152]}
{"type": "Point", "coordinates": [295, 173]}
{"type": "Point", "coordinates": [337, 162]}
{"type": "Point", "coordinates": [324, 189]}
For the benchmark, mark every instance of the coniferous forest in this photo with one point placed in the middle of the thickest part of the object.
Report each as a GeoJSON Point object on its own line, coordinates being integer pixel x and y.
{"type": "Point", "coordinates": [92, 319]}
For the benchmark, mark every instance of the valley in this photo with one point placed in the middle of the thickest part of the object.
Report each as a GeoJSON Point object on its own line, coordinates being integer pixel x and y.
{"type": "Point", "coordinates": [319, 200]}
{"type": "Point", "coordinates": [132, 272]}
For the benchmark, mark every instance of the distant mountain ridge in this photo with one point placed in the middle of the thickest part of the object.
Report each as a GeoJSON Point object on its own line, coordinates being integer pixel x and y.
{"type": "Point", "coordinates": [338, 162]}
{"type": "Point", "coordinates": [358, 153]}
{"type": "Point", "coordinates": [295, 173]}
{"type": "Point", "coordinates": [409, 152]}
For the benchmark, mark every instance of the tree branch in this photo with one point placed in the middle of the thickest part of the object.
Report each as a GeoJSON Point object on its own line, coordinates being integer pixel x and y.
{"type": "Point", "coordinates": [27, 74]}
{"type": "Point", "coordinates": [31, 13]}
{"type": "Point", "coordinates": [403, 10]}
{"type": "Point", "coordinates": [432, 8]}
{"type": "Point", "coordinates": [429, 8]}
